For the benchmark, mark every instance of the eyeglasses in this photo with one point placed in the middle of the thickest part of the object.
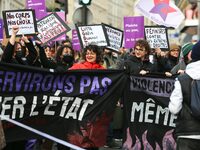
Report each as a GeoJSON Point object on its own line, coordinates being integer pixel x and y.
{"type": "Point", "coordinates": [139, 49]}
{"type": "Point", "coordinates": [174, 50]}
{"type": "Point", "coordinates": [90, 53]}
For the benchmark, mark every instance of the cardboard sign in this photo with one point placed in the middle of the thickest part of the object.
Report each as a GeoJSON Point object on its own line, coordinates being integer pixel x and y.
{"type": "Point", "coordinates": [133, 30]}
{"type": "Point", "coordinates": [25, 19]}
{"type": "Point", "coordinates": [115, 37]}
{"type": "Point", "coordinates": [39, 6]}
{"type": "Point", "coordinates": [157, 37]}
{"type": "Point", "coordinates": [92, 34]}
{"type": "Point", "coordinates": [62, 16]}
{"type": "Point", "coordinates": [51, 27]}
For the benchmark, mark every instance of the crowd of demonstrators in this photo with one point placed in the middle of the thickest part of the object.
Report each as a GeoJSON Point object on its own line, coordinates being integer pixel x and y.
{"type": "Point", "coordinates": [187, 129]}
{"type": "Point", "coordinates": [62, 58]}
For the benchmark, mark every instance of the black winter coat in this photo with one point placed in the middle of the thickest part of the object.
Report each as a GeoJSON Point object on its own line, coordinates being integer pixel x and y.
{"type": "Point", "coordinates": [135, 65]}
{"type": "Point", "coordinates": [186, 124]}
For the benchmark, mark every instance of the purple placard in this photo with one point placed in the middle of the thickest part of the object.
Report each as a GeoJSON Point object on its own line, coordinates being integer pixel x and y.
{"type": "Point", "coordinates": [1, 29]}
{"type": "Point", "coordinates": [133, 30]}
{"type": "Point", "coordinates": [75, 41]}
{"type": "Point", "coordinates": [39, 6]}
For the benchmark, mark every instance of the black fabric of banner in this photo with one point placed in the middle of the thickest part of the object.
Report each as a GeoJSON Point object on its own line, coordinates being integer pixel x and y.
{"type": "Point", "coordinates": [75, 106]}
{"type": "Point", "coordinates": [148, 122]}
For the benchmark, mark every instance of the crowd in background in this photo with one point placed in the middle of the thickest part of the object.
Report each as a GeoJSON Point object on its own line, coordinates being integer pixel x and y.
{"type": "Point", "coordinates": [140, 59]}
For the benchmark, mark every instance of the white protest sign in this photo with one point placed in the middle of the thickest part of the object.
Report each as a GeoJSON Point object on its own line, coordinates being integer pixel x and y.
{"type": "Point", "coordinates": [25, 19]}
{"type": "Point", "coordinates": [115, 37]}
{"type": "Point", "coordinates": [51, 27]}
{"type": "Point", "coordinates": [92, 34]}
{"type": "Point", "coordinates": [157, 37]}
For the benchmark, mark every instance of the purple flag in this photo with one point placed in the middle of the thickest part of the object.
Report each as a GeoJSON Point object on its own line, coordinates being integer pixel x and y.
{"type": "Point", "coordinates": [133, 30]}
{"type": "Point", "coordinates": [39, 7]}
{"type": "Point", "coordinates": [75, 41]}
{"type": "Point", "coordinates": [1, 29]}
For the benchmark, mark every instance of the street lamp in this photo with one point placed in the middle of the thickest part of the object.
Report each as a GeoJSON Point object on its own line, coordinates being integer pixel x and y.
{"type": "Point", "coordinates": [85, 2]}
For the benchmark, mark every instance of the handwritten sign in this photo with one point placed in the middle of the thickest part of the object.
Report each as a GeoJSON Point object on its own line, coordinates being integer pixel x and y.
{"type": "Point", "coordinates": [157, 37]}
{"type": "Point", "coordinates": [25, 19]}
{"type": "Point", "coordinates": [133, 30]}
{"type": "Point", "coordinates": [92, 34]}
{"type": "Point", "coordinates": [115, 37]}
{"type": "Point", "coordinates": [51, 27]}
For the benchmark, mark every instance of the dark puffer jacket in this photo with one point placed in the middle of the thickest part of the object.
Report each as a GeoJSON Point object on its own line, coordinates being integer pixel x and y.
{"type": "Point", "coordinates": [186, 124]}
{"type": "Point", "coordinates": [135, 65]}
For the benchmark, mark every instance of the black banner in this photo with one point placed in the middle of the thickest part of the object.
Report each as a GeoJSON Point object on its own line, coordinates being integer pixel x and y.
{"type": "Point", "coordinates": [148, 123]}
{"type": "Point", "coordinates": [75, 106]}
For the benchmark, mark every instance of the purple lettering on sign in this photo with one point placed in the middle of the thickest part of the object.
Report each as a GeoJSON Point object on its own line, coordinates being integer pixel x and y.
{"type": "Point", "coordinates": [36, 81]}
{"type": "Point", "coordinates": [47, 82]}
{"type": "Point", "coordinates": [85, 82]}
{"type": "Point", "coordinates": [70, 81]}
{"type": "Point", "coordinates": [105, 83]}
{"type": "Point", "coordinates": [8, 81]}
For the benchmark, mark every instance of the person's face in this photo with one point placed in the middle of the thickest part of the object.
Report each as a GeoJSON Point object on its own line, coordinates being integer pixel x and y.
{"type": "Point", "coordinates": [140, 52]}
{"type": "Point", "coordinates": [66, 51]}
{"type": "Point", "coordinates": [174, 52]}
{"type": "Point", "coordinates": [91, 56]}
{"type": "Point", "coordinates": [48, 52]}
{"type": "Point", "coordinates": [18, 47]}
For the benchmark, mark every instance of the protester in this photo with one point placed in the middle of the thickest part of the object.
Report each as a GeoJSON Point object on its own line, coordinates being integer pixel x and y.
{"type": "Point", "coordinates": [184, 59]}
{"type": "Point", "coordinates": [109, 60]}
{"type": "Point", "coordinates": [166, 61]}
{"type": "Point", "coordinates": [13, 52]}
{"type": "Point", "coordinates": [187, 126]}
{"type": "Point", "coordinates": [92, 56]}
{"type": "Point", "coordinates": [63, 61]}
{"type": "Point", "coordinates": [138, 61]}
{"type": "Point", "coordinates": [46, 58]}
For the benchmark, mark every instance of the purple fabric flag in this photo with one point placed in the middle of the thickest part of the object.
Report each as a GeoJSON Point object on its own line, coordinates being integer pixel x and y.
{"type": "Point", "coordinates": [1, 29]}
{"type": "Point", "coordinates": [75, 41]}
{"type": "Point", "coordinates": [133, 30]}
{"type": "Point", "coordinates": [39, 7]}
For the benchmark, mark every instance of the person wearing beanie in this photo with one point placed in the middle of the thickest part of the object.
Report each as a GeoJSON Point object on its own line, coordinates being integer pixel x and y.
{"type": "Point", "coordinates": [196, 52]}
{"type": "Point", "coordinates": [184, 59]}
{"type": "Point", "coordinates": [187, 131]}
{"type": "Point", "coordinates": [169, 60]}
